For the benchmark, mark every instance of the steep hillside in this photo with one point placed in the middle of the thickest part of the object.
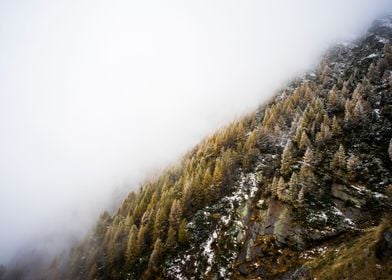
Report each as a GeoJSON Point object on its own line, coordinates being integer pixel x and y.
{"type": "Point", "coordinates": [289, 192]}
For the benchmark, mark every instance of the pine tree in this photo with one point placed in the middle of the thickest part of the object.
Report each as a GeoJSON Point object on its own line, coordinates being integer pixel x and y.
{"type": "Point", "coordinates": [306, 175]}
{"type": "Point", "coordinates": [348, 111]}
{"type": "Point", "coordinates": [115, 244]}
{"type": "Point", "coordinates": [251, 142]}
{"type": "Point", "coordinates": [207, 179]}
{"type": "Point", "coordinates": [305, 141]}
{"type": "Point", "coordinates": [287, 159]}
{"type": "Point", "coordinates": [281, 189]}
{"type": "Point", "coordinates": [218, 172]}
{"type": "Point", "coordinates": [336, 128]}
{"type": "Point", "coordinates": [274, 187]}
{"type": "Point", "coordinates": [301, 196]}
{"type": "Point", "coordinates": [308, 159]}
{"type": "Point", "coordinates": [323, 135]}
{"type": "Point", "coordinates": [326, 74]}
{"type": "Point", "coordinates": [171, 238]}
{"type": "Point", "coordinates": [335, 102]}
{"type": "Point", "coordinates": [155, 260]}
{"type": "Point", "coordinates": [293, 186]}
{"type": "Point", "coordinates": [182, 232]}
{"type": "Point", "coordinates": [353, 166]}
{"type": "Point", "coordinates": [358, 93]}
{"type": "Point", "coordinates": [359, 112]}
{"type": "Point", "coordinates": [346, 89]}
{"type": "Point", "coordinates": [373, 73]}
{"type": "Point", "coordinates": [159, 223]}
{"type": "Point", "coordinates": [251, 151]}
{"type": "Point", "coordinates": [92, 273]}
{"type": "Point", "coordinates": [132, 253]}
{"type": "Point", "coordinates": [338, 163]}
{"type": "Point", "coordinates": [175, 213]}
{"type": "Point", "coordinates": [141, 239]}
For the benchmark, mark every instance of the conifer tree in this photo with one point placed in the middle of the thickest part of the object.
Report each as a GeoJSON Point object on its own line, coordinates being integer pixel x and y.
{"type": "Point", "coordinates": [373, 73]}
{"type": "Point", "coordinates": [218, 172]}
{"type": "Point", "coordinates": [171, 238]}
{"type": "Point", "coordinates": [251, 142]}
{"type": "Point", "coordinates": [207, 179]}
{"type": "Point", "coordinates": [182, 232]}
{"type": "Point", "coordinates": [287, 159]}
{"type": "Point", "coordinates": [251, 151]}
{"type": "Point", "coordinates": [353, 165]}
{"type": "Point", "coordinates": [335, 102]}
{"type": "Point", "coordinates": [348, 111]}
{"type": "Point", "coordinates": [293, 185]}
{"type": "Point", "coordinates": [338, 163]}
{"type": "Point", "coordinates": [306, 175]}
{"type": "Point", "coordinates": [336, 128]}
{"type": "Point", "coordinates": [159, 223]}
{"type": "Point", "coordinates": [346, 89]}
{"type": "Point", "coordinates": [359, 112]}
{"type": "Point", "coordinates": [326, 74]}
{"type": "Point", "coordinates": [175, 213]}
{"type": "Point", "coordinates": [301, 196]}
{"type": "Point", "coordinates": [281, 189]}
{"type": "Point", "coordinates": [274, 187]}
{"type": "Point", "coordinates": [155, 260]}
{"type": "Point", "coordinates": [323, 135]}
{"type": "Point", "coordinates": [305, 141]}
{"type": "Point", "coordinates": [132, 253]}
{"type": "Point", "coordinates": [141, 239]}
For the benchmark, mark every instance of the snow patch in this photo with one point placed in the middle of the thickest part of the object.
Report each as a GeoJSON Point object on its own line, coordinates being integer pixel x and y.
{"type": "Point", "coordinates": [318, 217]}
{"type": "Point", "coordinates": [377, 112]}
{"type": "Point", "coordinates": [346, 220]}
{"type": "Point", "coordinates": [382, 39]}
{"type": "Point", "coordinates": [372, 55]}
{"type": "Point", "coordinates": [379, 195]}
{"type": "Point", "coordinates": [208, 252]}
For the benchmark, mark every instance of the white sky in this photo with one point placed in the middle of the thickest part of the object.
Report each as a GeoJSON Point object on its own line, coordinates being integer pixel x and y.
{"type": "Point", "coordinates": [95, 95]}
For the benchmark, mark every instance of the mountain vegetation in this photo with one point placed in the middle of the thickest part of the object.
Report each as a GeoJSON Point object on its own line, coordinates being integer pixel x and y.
{"type": "Point", "coordinates": [299, 189]}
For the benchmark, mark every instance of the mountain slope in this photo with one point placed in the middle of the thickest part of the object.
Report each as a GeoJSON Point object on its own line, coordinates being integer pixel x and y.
{"type": "Point", "coordinates": [271, 194]}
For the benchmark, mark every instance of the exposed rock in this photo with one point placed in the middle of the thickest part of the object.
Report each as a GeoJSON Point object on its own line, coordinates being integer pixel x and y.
{"type": "Point", "coordinates": [384, 246]}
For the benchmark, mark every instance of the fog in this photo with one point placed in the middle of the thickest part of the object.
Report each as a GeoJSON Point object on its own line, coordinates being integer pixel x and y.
{"type": "Point", "coordinates": [95, 96]}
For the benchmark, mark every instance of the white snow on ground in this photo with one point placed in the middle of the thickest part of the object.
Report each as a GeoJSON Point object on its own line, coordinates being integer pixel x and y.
{"type": "Point", "coordinates": [377, 112]}
{"type": "Point", "coordinates": [378, 195]}
{"type": "Point", "coordinates": [246, 188]}
{"type": "Point", "coordinates": [320, 216]}
{"type": "Point", "coordinates": [222, 272]}
{"type": "Point", "coordinates": [207, 251]}
{"type": "Point", "coordinates": [359, 189]}
{"type": "Point", "coordinates": [363, 190]}
{"type": "Point", "coordinates": [386, 23]}
{"type": "Point", "coordinates": [225, 220]}
{"type": "Point", "coordinates": [337, 212]}
{"type": "Point", "coordinates": [372, 55]}
{"type": "Point", "coordinates": [310, 254]}
{"type": "Point", "coordinates": [382, 39]}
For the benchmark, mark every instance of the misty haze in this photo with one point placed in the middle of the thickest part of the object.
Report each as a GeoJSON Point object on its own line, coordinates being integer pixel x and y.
{"type": "Point", "coordinates": [171, 139]}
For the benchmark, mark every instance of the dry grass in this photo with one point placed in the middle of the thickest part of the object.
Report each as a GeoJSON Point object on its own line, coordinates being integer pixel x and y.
{"type": "Point", "coordinates": [356, 259]}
